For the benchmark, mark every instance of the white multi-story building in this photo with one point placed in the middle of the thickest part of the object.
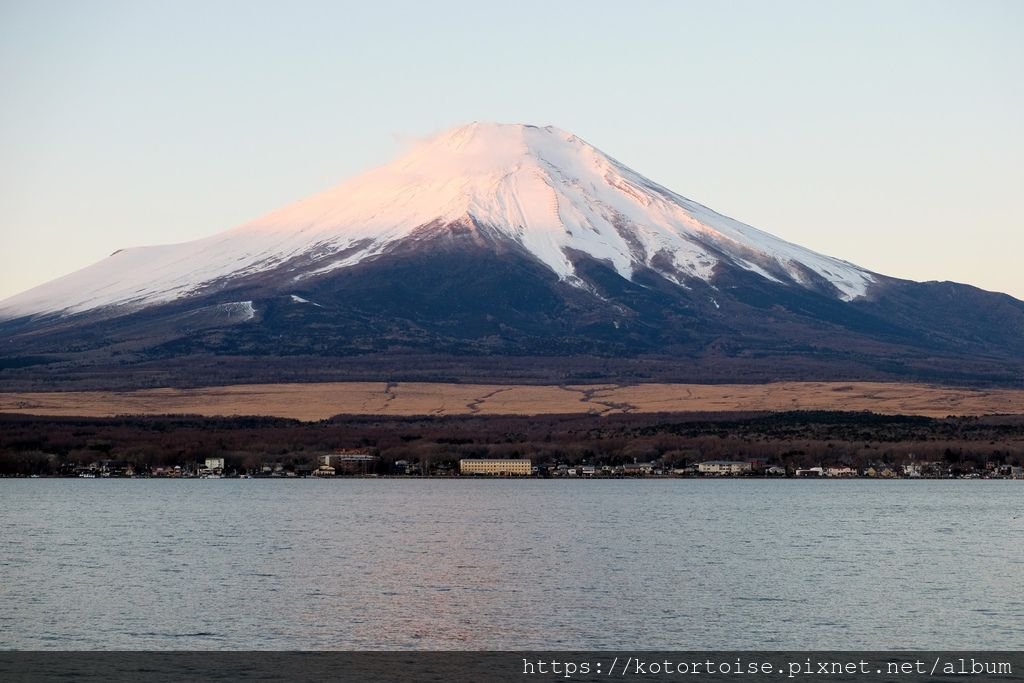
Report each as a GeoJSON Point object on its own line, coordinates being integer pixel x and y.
{"type": "Point", "coordinates": [724, 467]}
{"type": "Point", "coordinates": [349, 461]}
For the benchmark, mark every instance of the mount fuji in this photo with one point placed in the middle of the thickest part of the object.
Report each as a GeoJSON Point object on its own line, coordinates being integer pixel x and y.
{"type": "Point", "coordinates": [514, 241]}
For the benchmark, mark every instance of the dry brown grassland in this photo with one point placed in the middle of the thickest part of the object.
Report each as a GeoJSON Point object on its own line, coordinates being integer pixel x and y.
{"type": "Point", "coordinates": [320, 401]}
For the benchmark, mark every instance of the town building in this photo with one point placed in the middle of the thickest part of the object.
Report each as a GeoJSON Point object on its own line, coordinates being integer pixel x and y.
{"type": "Point", "coordinates": [840, 471]}
{"type": "Point", "coordinates": [503, 468]}
{"type": "Point", "coordinates": [212, 467]}
{"type": "Point", "coordinates": [349, 461]}
{"type": "Point", "coordinates": [811, 472]}
{"type": "Point", "coordinates": [724, 467]}
{"type": "Point", "coordinates": [637, 469]}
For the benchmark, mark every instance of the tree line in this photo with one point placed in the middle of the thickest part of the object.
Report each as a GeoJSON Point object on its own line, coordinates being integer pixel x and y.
{"type": "Point", "coordinates": [44, 445]}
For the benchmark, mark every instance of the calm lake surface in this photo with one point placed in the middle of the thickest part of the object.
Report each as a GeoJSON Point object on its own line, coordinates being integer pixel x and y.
{"type": "Point", "coordinates": [443, 564]}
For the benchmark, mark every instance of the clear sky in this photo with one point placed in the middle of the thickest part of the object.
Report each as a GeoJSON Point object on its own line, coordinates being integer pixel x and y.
{"type": "Point", "coordinates": [890, 134]}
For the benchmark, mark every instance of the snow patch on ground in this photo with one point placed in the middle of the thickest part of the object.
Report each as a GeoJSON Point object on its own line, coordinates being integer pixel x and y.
{"type": "Point", "coordinates": [242, 310]}
{"type": "Point", "coordinates": [299, 300]}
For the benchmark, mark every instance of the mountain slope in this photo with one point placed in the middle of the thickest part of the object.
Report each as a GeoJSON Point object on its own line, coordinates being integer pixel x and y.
{"type": "Point", "coordinates": [500, 240]}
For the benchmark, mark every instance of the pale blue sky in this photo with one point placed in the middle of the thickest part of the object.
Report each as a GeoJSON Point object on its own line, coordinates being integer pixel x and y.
{"type": "Point", "coordinates": [890, 134]}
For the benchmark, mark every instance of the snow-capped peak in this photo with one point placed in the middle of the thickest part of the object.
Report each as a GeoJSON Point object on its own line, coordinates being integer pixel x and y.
{"type": "Point", "coordinates": [544, 188]}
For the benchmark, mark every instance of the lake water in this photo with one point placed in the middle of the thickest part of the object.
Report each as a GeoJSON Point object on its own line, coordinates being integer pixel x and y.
{"type": "Point", "coordinates": [527, 564]}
